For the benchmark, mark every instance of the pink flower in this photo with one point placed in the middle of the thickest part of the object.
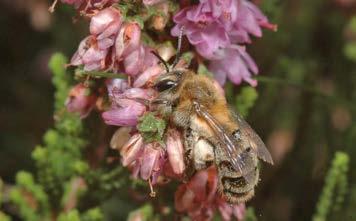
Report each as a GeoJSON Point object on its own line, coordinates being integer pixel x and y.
{"type": "Point", "coordinates": [202, 29]}
{"type": "Point", "coordinates": [248, 20]}
{"type": "Point", "coordinates": [175, 151]}
{"type": "Point", "coordinates": [105, 23]}
{"type": "Point", "coordinates": [132, 149]}
{"type": "Point", "coordinates": [160, 20]}
{"type": "Point", "coordinates": [133, 62]}
{"type": "Point", "coordinates": [148, 76]}
{"type": "Point", "coordinates": [152, 162]}
{"type": "Point", "coordinates": [217, 23]}
{"type": "Point", "coordinates": [197, 193]}
{"type": "Point", "coordinates": [214, 26]}
{"type": "Point", "coordinates": [89, 55]}
{"type": "Point", "coordinates": [127, 104]}
{"type": "Point", "coordinates": [235, 64]}
{"type": "Point", "coordinates": [80, 100]}
{"type": "Point", "coordinates": [116, 86]}
{"type": "Point", "coordinates": [199, 198]}
{"type": "Point", "coordinates": [128, 40]}
{"type": "Point", "coordinates": [94, 49]}
{"type": "Point", "coordinates": [145, 160]}
{"type": "Point", "coordinates": [228, 211]}
{"type": "Point", "coordinates": [125, 115]}
{"type": "Point", "coordinates": [139, 61]}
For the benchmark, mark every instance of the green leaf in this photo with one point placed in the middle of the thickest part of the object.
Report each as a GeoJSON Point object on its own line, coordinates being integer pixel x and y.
{"type": "Point", "coordinates": [250, 215]}
{"type": "Point", "coordinates": [4, 217]}
{"type": "Point", "coordinates": [350, 51]}
{"type": "Point", "coordinates": [94, 214]}
{"type": "Point", "coordinates": [152, 128]}
{"type": "Point", "coordinates": [245, 100]}
{"type": "Point", "coordinates": [145, 213]}
{"type": "Point", "coordinates": [335, 187]}
{"type": "Point", "coordinates": [72, 215]}
{"type": "Point", "coordinates": [187, 57]}
{"type": "Point", "coordinates": [60, 79]}
{"type": "Point", "coordinates": [202, 69]}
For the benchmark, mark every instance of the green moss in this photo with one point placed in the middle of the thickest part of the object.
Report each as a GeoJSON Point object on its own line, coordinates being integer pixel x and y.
{"type": "Point", "coordinates": [151, 127]}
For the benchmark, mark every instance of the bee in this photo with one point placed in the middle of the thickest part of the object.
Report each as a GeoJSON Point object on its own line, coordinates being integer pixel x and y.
{"type": "Point", "coordinates": [214, 134]}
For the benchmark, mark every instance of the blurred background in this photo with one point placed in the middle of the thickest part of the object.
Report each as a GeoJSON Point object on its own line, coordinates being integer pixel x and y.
{"type": "Point", "coordinates": [305, 109]}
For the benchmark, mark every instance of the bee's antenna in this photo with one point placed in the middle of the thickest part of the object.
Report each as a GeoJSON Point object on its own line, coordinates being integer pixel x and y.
{"type": "Point", "coordinates": [161, 60]}
{"type": "Point", "coordinates": [176, 60]}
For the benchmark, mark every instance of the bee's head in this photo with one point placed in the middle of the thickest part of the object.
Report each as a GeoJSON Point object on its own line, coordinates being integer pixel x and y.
{"type": "Point", "coordinates": [169, 80]}
{"type": "Point", "coordinates": [173, 75]}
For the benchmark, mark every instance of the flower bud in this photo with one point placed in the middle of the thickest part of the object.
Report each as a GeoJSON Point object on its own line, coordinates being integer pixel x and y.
{"type": "Point", "coordinates": [132, 149]}
{"type": "Point", "coordinates": [89, 55]}
{"type": "Point", "coordinates": [148, 75]}
{"type": "Point", "coordinates": [166, 51]}
{"type": "Point", "coordinates": [175, 151]}
{"type": "Point", "coordinates": [133, 62]}
{"type": "Point", "coordinates": [150, 158]}
{"type": "Point", "coordinates": [127, 115]}
{"type": "Point", "coordinates": [116, 87]}
{"type": "Point", "coordinates": [128, 39]}
{"type": "Point", "coordinates": [160, 20]}
{"type": "Point", "coordinates": [120, 138]}
{"type": "Point", "coordinates": [106, 23]}
{"type": "Point", "coordinates": [80, 100]}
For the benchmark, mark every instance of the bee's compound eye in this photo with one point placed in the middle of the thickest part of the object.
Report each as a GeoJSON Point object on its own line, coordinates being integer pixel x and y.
{"type": "Point", "coordinates": [165, 85]}
{"type": "Point", "coordinates": [237, 134]}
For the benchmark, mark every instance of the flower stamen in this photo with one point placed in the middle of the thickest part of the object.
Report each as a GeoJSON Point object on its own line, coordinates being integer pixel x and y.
{"type": "Point", "coordinates": [53, 6]}
{"type": "Point", "coordinates": [152, 193]}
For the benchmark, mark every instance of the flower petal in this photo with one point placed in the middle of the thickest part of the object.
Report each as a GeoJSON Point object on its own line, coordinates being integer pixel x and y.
{"type": "Point", "coordinates": [148, 75]}
{"type": "Point", "coordinates": [150, 156]}
{"type": "Point", "coordinates": [175, 151]}
{"type": "Point", "coordinates": [103, 20]}
{"type": "Point", "coordinates": [132, 149]}
{"type": "Point", "coordinates": [126, 116]}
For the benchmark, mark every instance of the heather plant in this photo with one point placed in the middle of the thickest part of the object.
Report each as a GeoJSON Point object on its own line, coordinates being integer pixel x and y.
{"type": "Point", "coordinates": [335, 187]}
{"type": "Point", "coordinates": [131, 165]}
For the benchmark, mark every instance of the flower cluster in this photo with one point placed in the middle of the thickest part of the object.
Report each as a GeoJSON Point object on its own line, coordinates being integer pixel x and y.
{"type": "Point", "coordinates": [149, 161]}
{"type": "Point", "coordinates": [116, 46]}
{"type": "Point", "coordinates": [149, 146]}
{"type": "Point", "coordinates": [93, 50]}
{"type": "Point", "coordinates": [199, 198]}
{"type": "Point", "coordinates": [217, 28]}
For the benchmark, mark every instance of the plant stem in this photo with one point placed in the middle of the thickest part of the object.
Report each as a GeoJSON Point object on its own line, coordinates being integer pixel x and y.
{"type": "Point", "coordinates": [98, 74]}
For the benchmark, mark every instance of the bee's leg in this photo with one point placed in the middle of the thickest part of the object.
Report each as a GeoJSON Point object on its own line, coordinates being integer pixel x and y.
{"type": "Point", "coordinates": [203, 154]}
{"type": "Point", "coordinates": [164, 107]}
{"type": "Point", "coordinates": [142, 101]}
{"type": "Point", "coordinates": [159, 101]}
{"type": "Point", "coordinates": [189, 165]}
{"type": "Point", "coordinates": [188, 155]}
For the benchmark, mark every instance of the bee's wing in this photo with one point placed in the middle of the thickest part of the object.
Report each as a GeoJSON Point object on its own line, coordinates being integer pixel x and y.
{"type": "Point", "coordinates": [254, 140]}
{"type": "Point", "coordinates": [236, 154]}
